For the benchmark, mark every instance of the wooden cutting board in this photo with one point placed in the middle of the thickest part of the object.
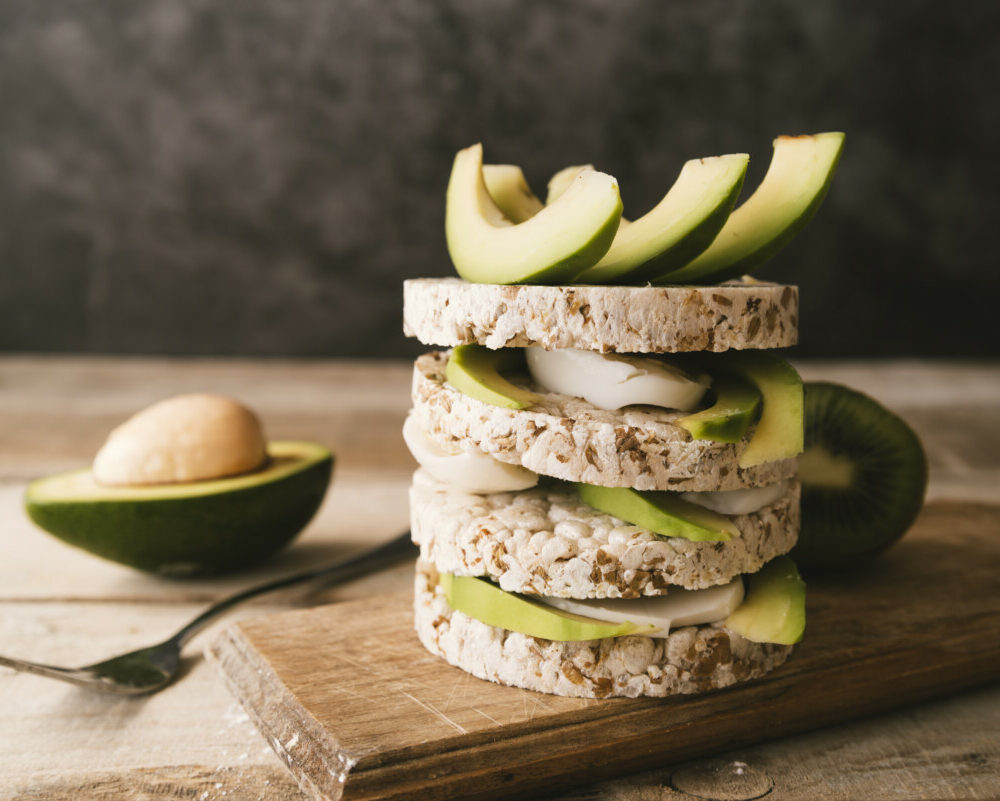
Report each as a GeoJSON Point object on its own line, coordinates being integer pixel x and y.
{"type": "Point", "coordinates": [356, 708]}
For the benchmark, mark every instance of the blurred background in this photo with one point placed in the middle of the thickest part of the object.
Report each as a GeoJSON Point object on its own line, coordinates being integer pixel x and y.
{"type": "Point", "coordinates": [194, 177]}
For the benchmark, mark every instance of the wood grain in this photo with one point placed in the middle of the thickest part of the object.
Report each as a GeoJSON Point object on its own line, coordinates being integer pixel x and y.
{"type": "Point", "coordinates": [354, 705]}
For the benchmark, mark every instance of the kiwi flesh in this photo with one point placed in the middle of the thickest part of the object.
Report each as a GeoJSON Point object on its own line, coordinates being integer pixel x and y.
{"type": "Point", "coordinates": [863, 475]}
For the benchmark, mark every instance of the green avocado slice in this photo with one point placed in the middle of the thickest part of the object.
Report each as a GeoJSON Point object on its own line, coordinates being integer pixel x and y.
{"type": "Point", "coordinates": [774, 609]}
{"type": "Point", "coordinates": [561, 181]}
{"type": "Point", "coordinates": [678, 228]}
{"type": "Point", "coordinates": [737, 403]}
{"type": "Point", "coordinates": [796, 182]}
{"type": "Point", "coordinates": [780, 431]}
{"type": "Point", "coordinates": [202, 527]}
{"type": "Point", "coordinates": [475, 371]}
{"type": "Point", "coordinates": [662, 513]}
{"type": "Point", "coordinates": [510, 191]}
{"type": "Point", "coordinates": [487, 603]}
{"type": "Point", "coordinates": [554, 246]}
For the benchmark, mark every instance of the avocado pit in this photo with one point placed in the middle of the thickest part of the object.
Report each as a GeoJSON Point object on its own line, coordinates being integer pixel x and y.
{"type": "Point", "coordinates": [188, 486]}
{"type": "Point", "coordinates": [185, 438]}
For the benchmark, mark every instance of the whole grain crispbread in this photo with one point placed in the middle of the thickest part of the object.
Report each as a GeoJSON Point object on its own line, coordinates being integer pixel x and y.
{"type": "Point", "coordinates": [546, 541]}
{"type": "Point", "coordinates": [668, 319]}
{"type": "Point", "coordinates": [690, 660]}
{"type": "Point", "coordinates": [568, 438]}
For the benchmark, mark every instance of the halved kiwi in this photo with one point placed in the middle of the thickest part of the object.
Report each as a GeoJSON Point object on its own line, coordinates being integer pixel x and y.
{"type": "Point", "coordinates": [863, 475]}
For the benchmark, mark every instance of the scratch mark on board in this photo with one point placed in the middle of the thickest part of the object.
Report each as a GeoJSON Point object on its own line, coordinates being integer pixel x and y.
{"type": "Point", "coordinates": [488, 717]}
{"type": "Point", "coordinates": [436, 712]}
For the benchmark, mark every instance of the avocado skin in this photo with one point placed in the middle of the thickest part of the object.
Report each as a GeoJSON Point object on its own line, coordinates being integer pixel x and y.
{"type": "Point", "coordinates": [189, 536]}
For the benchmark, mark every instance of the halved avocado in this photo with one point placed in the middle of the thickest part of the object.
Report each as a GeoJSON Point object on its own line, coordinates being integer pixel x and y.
{"type": "Point", "coordinates": [201, 527]}
{"type": "Point", "coordinates": [487, 603]}
{"type": "Point", "coordinates": [796, 182]}
{"type": "Point", "coordinates": [554, 246]}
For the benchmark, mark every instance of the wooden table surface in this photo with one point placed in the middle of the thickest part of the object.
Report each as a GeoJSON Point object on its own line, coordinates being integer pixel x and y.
{"type": "Point", "coordinates": [194, 741]}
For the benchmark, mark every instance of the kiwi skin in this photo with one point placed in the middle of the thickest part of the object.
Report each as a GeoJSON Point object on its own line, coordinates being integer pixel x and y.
{"type": "Point", "coordinates": [852, 513]}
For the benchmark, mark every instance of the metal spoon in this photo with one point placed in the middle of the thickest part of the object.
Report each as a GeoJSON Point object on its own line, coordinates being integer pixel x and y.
{"type": "Point", "coordinates": [150, 669]}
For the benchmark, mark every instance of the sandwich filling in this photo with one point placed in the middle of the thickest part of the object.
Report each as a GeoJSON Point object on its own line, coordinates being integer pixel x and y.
{"type": "Point", "coordinates": [480, 473]}
{"type": "Point", "coordinates": [772, 609]}
{"type": "Point", "coordinates": [568, 620]}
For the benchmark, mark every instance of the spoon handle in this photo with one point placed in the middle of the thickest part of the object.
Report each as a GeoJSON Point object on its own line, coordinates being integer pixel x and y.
{"type": "Point", "coordinates": [342, 570]}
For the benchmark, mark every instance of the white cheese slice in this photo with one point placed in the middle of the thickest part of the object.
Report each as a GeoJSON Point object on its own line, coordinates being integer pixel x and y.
{"type": "Point", "coordinates": [470, 471]}
{"type": "Point", "coordinates": [611, 381]}
{"type": "Point", "coordinates": [739, 501]}
{"type": "Point", "coordinates": [680, 608]}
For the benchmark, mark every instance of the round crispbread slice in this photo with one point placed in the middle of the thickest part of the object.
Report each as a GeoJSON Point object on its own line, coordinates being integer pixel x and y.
{"type": "Point", "coordinates": [611, 319]}
{"type": "Point", "coordinates": [546, 541]}
{"type": "Point", "coordinates": [692, 659]}
{"type": "Point", "coordinates": [568, 438]}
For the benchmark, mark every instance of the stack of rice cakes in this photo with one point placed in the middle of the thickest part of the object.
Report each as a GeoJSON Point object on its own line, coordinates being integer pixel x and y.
{"type": "Point", "coordinates": [544, 541]}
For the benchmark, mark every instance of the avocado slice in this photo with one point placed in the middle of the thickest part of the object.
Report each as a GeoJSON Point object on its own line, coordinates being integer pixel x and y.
{"type": "Point", "coordinates": [510, 191]}
{"type": "Point", "coordinates": [554, 246]}
{"type": "Point", "coordinates": [487, 603]}
{"type": "Point", "coordinates": [201, 527]}
{"type": "Point", "coordinates": [662, 513]}
{"type": "Point", "coordinates": [796, 182]}
{"type": "Point", "coordinates": [737, 403]}
{"type": "Point", "coordinates": [779, 432]}
{"type": "Point", "coordinates": [678, 228]}
{"type": "Point", "coordinates": [774, 609]}
{"type": "Point", "coordinates": [475, 371]}
{"type": "Point", "coordinates": [561, 181]}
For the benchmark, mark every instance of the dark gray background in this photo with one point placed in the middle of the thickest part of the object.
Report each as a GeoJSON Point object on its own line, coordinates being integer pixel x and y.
{"type": "Point", "coordinates": [257, 177]}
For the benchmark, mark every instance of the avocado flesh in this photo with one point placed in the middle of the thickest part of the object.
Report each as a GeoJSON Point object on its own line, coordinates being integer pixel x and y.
{"type": "Point", "coordinates": [736, 405]}
{"type": "Point", "coordinates": [662, 513]}
{"type": "Point", "coordinates": [678, 228]}
{"type": "Point", "coordinates": [774, 609]}
{"type": "Point", "coordinates": [554, 246]}
{"type": "Point", "coordinates": [475, 371]}
{"type": "Point", "coordinates": [796, 182]}
{"type": "Point", "coordinates": [561, 181]}
{"type": "Point", "coordinates": [487, 603]}
{"type": "Point", "coordinates": [196, 528]}
{"type": "Point", "coordinates": [780, 430]}
{"type": "Point", "coordinates": [510, 191]}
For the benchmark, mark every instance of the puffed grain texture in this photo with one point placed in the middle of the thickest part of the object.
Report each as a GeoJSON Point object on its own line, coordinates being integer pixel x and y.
{"type": "Point", "coordinates": [546, 541]}
{"type": "Point", "coordinates": [568, 438]}
{"type": "Point", "coordinates": [692, 659]}
{"type": "Point", "coordinates": [620, 319]}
